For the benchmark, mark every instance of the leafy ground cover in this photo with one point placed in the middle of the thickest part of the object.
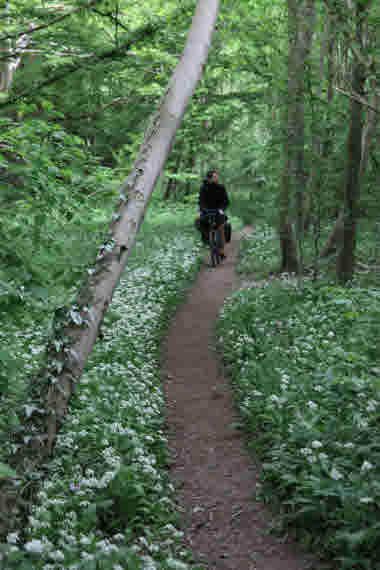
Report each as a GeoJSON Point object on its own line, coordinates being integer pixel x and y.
{"type": "Point", "coordinates": [261, 252]}
{"type": "Point", "coordinates": [105, 501]}
{"type": "Point", "coordinates": [305, 366]}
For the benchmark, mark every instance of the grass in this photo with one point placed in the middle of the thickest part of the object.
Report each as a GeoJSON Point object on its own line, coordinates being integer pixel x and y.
{"type": "Point", "coordinates": [305, 367]}
{"type": "Point", "coordinates": [104, 500]}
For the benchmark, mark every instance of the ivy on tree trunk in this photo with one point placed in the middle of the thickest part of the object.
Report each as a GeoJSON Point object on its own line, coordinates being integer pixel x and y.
{"type": "Point", "coordinates": [77, 327]}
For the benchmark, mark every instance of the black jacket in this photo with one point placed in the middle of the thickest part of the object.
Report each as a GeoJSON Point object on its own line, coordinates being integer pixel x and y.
{"type": "Point", "coordinates": [213, 196]}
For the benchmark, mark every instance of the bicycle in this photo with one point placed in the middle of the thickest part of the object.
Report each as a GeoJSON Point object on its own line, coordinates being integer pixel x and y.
{"type": "Point", "coordinates": [214, 239]}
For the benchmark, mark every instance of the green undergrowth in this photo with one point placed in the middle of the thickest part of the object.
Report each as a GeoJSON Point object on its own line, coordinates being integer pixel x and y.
{"type": "Point", "coordinates": [260, 252]}
{"type": "Point", "coordinates": [104, 499]}
{"type": "Point", "coordinates": [305, 366]}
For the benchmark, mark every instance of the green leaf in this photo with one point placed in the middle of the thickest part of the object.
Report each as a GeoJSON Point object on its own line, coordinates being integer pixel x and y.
{"type": "Point", "coordinates": [6, 471]}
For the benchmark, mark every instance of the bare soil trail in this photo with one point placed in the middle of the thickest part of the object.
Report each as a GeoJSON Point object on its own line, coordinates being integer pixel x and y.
{"type": "Point", "coordinates": [225, 527]}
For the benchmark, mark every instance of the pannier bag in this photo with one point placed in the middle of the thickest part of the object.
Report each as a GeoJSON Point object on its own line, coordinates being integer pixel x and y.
{"type": "Point", "coordinates": [227, 231]}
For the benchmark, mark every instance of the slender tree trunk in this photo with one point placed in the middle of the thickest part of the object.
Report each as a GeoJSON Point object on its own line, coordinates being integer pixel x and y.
{"type": "Point", "coordinates": [300, 24]}
{"type": "Point", "coordinates": [336, 236]}
{"type": "Point", "coordinates": [305, 25]}
{"type": "Point", "coordinates": [346, 256]}
{"type": "Point", "coordinates": [370, 128]}
{"type": "Point", "coordinates": [303, 16]}
{"type": "Point", "coordinates": [288, 247]}
{"type": "Point", "coordinates": [190, 168]}
{"type": "Point", "coordinates": [78, 326]}
{"type": "Point", "coordinates": [328, 142]}
{"type": "Point", "coordinates": [321, 139]}
{"type": "Point", "coordinates": [172, 182]}
{"type": "Point", "coordinates": [170, 186]}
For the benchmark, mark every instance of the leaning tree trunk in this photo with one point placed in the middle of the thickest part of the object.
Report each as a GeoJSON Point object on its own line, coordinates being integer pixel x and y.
{"type": "Point", "coordinates": [78, 326]}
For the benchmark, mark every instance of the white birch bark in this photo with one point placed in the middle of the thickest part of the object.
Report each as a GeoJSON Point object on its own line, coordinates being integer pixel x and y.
{"type": "Point", "coordinates": [69, 350]}
{"type": "Point", "coordinates": [5, 49]}
{"type": "Point", "coordinates": [135, 192]}
{"type": "Point", "coordinates": [12, 58]}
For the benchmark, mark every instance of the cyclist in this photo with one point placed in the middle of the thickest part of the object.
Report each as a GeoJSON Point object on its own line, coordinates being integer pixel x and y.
{"type": "Point", "coordinates": [213, 196]}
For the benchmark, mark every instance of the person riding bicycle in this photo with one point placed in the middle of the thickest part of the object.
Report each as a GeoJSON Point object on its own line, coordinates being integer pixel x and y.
{"type": "Point", "coordinates": [213, 196]}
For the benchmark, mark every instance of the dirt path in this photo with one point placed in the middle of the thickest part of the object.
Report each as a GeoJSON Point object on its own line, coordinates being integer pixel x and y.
{"type": "Point", "coordinates": [225, 527]}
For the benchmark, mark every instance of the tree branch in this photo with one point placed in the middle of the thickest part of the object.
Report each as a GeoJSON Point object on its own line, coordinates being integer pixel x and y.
{"type": "Point", "coordinates": [142, 33]}
{"type": "Point", "coordinates": [117, 101]}
{"type": "Point", "coordinates": [356, 97]}
{"type": "Point", "coordinates": [111, 17]}
{"type": "Point", "coordinates": [43, 26]}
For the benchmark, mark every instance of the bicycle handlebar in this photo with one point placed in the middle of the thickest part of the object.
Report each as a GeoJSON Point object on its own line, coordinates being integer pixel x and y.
{"type": "Point", "coordinates": [211, 211]}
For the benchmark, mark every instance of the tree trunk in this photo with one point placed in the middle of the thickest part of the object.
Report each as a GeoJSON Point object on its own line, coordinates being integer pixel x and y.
{"type": "Point", "coordinates": [302, 13]}
{"type": "Point", "coordinates": [370, 128]}
{"type": "Point", "coordinates": [288, 247]}
{"type": "Point", "coordinates": [336, 235]}
{"type": "Point", "coordinates": [78, 326]}
{"type": "Point", "coordinates": [346, 256]}
{"type": "Point", "coordinates": [189, 168]}
{"type": "Point", "coordinates": [300, 24]}
{"type": "Point", "coordinates": [321, 138]}
{"type": "Point", "coordinates": [172, 182]}
{"type": "Point", "coordinates": [5, 62]}
{"type": "Point", "coordinates": [9, 64]}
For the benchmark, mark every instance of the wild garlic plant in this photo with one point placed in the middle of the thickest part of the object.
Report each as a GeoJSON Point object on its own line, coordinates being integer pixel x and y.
{"type": "Point", "coordinates": [305, 364]}
{"type": "Point", "coordinates": [105, 500]}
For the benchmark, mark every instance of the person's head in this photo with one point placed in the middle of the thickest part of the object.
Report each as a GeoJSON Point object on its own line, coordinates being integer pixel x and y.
{"type": "Point", "coordinates": [212, 175]}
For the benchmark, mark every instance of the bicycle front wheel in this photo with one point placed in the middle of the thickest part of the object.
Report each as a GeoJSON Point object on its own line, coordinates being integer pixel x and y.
{"type": "Point", "coordinates": [214, 248]}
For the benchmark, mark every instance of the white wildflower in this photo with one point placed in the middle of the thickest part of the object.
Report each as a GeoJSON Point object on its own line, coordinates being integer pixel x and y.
{"type": "Point", "coordinates": [35, 546]}
{"type": "Point", "coordinates": [371, 406]}
{"type": "Point", "coordinates": [12, 537]}
{"type": "Point", "coordinates": [366, 500]}
{"type": "Point", "coordinates": [366, 466]}
{"type": "Point", "coordinates": [57, 555]}
{"type": "Point", "coordinates": [335, 474]}
{"type": "Point", "coordinates": [176, 564]}
{"type": "Point", "coordinates": [274, 398]}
